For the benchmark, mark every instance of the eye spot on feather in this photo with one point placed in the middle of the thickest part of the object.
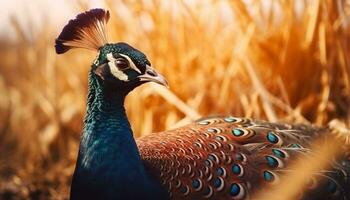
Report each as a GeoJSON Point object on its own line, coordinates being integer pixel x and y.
{"type": "Point", "coordinates": [230, 119]}
{"type": "Point", "coordinates": [297, 146]}
{"type": "Point", "coordinates": [218, 183]}
{"type": "Point", "coordinates": [237, 169]}
{"type": "Point", "coordinates": [208, 163]}
{"type": "Point", "coordinates": [268, 176]}
{"type": "Point", "coordinates": [208, 192]}
{"type": "Point", "coordinates": [272, 137]}
{"type": "Point", "coordinates": [243, 132]}
{"type": "Point", "coordinates": [197, 184]}
{"type": "Point", "coordinates": [213, 158]}
{"type": "Point", "coordinates": [237, 132]}
{"type": "Point", "coordinates": [271, 161]}
{"type": "Point", "coordinates": [221, 138]}
{"type": "Point", "coordinates": [214, 130]}
{"type": "Point", "coordinates": [240, 157]}
{"type": "Point", "coordinates": [185, 190]}
{"type": "Point", "coordinates": [279, 153]}
{"type": "Point", "coordinates": [237, 191]}
{"type": "Point", "coordinates": [221, 172]}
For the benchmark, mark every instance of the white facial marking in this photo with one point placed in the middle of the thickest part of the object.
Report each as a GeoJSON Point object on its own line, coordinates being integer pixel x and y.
{"type": "Point", "coordinates": [114, 69]}
{"type": "Point", "coordinates": [132, 65]}
{"type": "Point", "coordinates": [110, 57]}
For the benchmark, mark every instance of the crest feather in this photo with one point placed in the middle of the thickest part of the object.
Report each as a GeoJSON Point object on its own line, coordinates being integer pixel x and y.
{"type": "Point", "coordinates": [87, 30]}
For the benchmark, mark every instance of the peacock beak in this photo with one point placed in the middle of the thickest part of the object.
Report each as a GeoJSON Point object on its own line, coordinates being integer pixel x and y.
{"type": "Point", "coordinates": [151, 75]}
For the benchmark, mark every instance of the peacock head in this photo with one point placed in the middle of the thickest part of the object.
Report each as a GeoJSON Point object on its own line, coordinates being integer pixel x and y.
{"type": "Point", "coordinates": [117, 64]}
{"type": "Point", "coordinates": [123, 66]}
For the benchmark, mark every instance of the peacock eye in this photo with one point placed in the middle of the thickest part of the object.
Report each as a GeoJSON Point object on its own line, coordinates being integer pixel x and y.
{"type": "Point", "coordinates": [122, 63]}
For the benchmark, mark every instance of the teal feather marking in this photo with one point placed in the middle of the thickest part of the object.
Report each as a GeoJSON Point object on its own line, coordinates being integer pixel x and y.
{"type": "Point", "coordinates": [271, 161]}
{"type": "Point", "coordinates": [279, 153]}
{"type": "Point", "coordinates": [268, 176]}
{"type": "Point", "coordinates": [271, 137]}
{"type": "Point", "coordinates": [195, 183]}
{"type": "Point", "coordinates": [230, 119]}
{"type": "Point", "coordinates": [217, 182]}
{"type": "Point", "coordinates": [237, 132]}
{"type": "Point", "coordinates": [298, 146]}
{"type": "Point", "coordinates": [236, 169]}
{"type": "Point", "coordinates": [234, 189]}
{"type": "Point", "coordinates": [220, 171]}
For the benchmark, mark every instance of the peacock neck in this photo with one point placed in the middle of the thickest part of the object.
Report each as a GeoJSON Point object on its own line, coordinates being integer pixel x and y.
{"type": "Point", "coordinates": [107, 148]}
{"type": "Point", "coordinates": [107, 131]}
{"type": "Point", "coordinates": [105, 107]}
{"type": "Point", "coordinates": [109, 165]}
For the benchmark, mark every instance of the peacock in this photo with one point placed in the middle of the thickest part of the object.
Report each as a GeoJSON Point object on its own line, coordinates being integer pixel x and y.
{"type": "Point", "coordinates": [213, 158]}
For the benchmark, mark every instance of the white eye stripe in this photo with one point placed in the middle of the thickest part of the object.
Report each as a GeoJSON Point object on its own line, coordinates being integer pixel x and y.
{"type": "Point", "coordinates": [132, 64]}
{"type": "Point", "coordinates": [114, 69]}
{"type": "Point", "coordinates": [116, 72]}
{"type": "Point", "coordinates": [111, 58]}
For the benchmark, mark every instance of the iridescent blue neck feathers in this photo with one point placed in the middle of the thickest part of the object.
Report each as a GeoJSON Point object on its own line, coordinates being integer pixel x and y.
{"type": "Point", "coordinates": [109, 165]}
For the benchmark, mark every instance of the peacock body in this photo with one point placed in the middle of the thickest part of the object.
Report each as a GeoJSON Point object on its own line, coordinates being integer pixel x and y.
{"type": "Point", "coordinates": [231, 158]}
{"type": "Point", "coordinates": [213, 158]}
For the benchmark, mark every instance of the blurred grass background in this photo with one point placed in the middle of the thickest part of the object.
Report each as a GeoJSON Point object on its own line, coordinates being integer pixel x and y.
{"type": "Point", "coordinates": [276, 60]}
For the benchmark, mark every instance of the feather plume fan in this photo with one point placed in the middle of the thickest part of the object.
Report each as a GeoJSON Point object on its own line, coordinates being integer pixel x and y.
{"type": "Point", "coordinates": [87, 30]}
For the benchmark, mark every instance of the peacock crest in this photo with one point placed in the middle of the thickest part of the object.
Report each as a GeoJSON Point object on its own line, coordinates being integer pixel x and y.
{"type": "Point", "coordinates": [87, 30]}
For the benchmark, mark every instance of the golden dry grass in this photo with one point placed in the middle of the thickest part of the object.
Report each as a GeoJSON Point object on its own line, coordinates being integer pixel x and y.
{"type": "Point", "coordinates": [288, 61]}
